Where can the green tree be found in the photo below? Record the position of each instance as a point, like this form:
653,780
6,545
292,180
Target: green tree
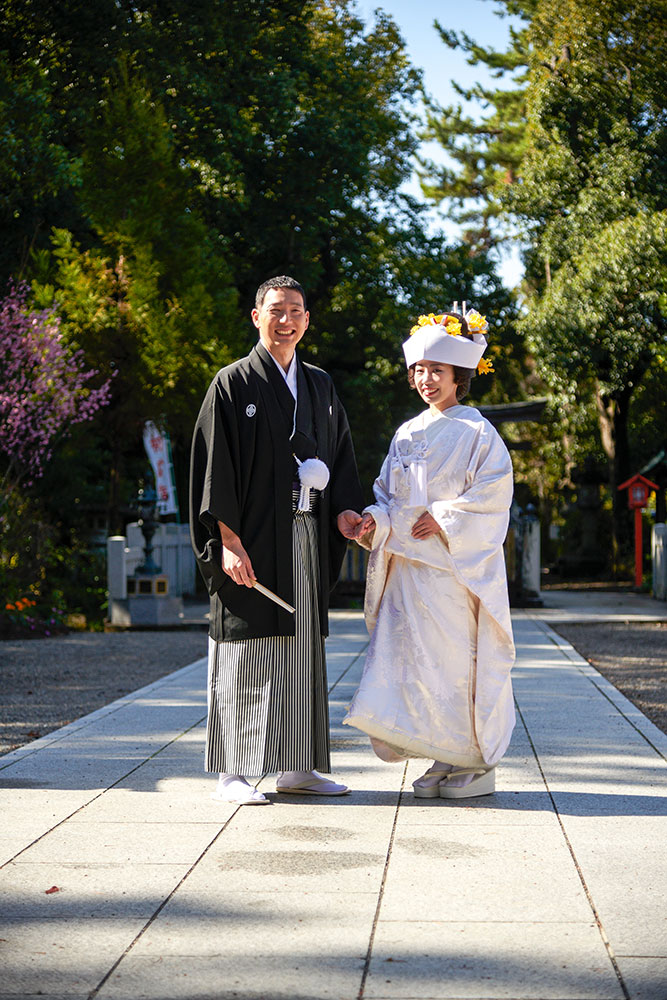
574,156
112,308
484,150
591,188
209,145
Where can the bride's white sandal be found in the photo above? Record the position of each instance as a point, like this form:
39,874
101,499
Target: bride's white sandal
483,784
428,786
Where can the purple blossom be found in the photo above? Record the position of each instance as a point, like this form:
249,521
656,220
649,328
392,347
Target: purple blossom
43,385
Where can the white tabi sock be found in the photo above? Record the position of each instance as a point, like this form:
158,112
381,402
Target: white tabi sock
434,775
235,788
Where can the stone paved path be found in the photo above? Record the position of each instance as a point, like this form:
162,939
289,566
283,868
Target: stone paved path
554,888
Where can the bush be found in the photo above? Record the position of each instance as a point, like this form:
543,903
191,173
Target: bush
44,577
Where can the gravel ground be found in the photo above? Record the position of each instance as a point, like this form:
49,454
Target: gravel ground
46,683
632,655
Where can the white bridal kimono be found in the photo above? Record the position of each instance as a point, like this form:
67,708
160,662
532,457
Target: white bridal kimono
436,680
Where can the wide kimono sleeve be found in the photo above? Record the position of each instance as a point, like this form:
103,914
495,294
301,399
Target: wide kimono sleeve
375,541
214,487
469,491
380,509
475,523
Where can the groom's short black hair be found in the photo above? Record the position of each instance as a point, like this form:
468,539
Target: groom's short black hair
280,281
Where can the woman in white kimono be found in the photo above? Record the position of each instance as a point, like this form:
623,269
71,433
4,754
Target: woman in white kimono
436,681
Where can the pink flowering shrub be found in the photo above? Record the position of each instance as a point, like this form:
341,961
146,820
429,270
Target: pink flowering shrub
44,390
44,387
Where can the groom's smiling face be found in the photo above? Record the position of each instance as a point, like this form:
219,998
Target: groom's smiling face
281,320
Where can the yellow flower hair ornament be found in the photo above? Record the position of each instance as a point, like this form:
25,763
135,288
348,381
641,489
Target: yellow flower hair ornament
476,323
451,324
462,352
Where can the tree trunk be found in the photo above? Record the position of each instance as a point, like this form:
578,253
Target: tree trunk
613,422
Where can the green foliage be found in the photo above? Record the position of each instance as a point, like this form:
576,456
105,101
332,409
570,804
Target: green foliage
599,322
211,145
36,170
591,188
574,155
398,273
48,570
484,150
648,413
163,160
30,603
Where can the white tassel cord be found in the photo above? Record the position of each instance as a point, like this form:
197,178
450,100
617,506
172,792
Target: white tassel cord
313,475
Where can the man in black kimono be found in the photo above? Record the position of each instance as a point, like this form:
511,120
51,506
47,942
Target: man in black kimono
251,521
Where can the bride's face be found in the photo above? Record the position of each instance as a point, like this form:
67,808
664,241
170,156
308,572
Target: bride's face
434,381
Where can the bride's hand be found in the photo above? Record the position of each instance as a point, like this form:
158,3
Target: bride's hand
425,526
367,524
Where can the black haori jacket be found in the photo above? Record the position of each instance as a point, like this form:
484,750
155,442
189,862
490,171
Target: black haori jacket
241,473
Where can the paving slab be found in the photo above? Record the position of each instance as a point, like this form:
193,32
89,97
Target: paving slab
562,606
122,843
60,955
644,978
197,925
483,874
553,888
457,960
290,977
85,891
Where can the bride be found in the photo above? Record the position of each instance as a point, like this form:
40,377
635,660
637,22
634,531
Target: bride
436,681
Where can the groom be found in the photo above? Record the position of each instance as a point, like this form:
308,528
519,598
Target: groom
251,522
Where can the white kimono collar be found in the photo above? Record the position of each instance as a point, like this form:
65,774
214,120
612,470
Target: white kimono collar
289,375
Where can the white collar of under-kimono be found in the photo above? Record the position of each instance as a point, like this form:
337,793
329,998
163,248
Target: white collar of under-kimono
313,474
291,382
411,463
289,375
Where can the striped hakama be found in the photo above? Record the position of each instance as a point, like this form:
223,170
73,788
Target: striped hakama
267,698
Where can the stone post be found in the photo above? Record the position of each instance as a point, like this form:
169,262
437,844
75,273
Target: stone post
531,556
116,582
659,559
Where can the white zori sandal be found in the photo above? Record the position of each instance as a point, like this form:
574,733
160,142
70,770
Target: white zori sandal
308,783
483,782
428,786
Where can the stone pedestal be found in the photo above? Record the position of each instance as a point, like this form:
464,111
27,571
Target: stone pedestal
145,599
155,610
146,611
145,585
